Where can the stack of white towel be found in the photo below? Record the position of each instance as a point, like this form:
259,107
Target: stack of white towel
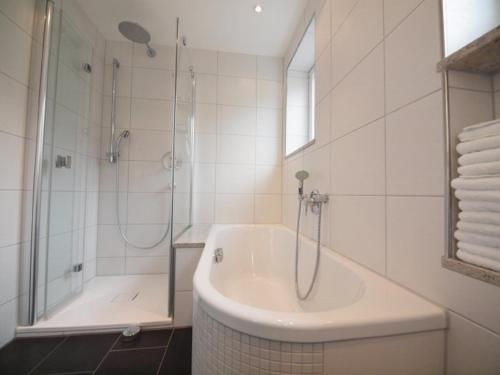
478,191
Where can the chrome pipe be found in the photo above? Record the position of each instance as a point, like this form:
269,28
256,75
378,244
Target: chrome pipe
38,164
113,154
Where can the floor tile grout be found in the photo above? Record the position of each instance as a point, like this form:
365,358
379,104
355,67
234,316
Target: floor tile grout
48,355
166,350
106,355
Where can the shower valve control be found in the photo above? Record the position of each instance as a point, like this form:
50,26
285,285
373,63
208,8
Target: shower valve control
314,200
63,161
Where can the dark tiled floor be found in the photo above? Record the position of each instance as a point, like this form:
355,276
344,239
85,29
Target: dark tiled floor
166,352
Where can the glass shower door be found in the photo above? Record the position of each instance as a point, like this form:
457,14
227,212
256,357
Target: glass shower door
64,167
183,143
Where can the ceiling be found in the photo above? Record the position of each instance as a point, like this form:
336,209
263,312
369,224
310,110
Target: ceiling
224,25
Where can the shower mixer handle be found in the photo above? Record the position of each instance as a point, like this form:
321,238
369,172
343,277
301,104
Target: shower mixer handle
314,200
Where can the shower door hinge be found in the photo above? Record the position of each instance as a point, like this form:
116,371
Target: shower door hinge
78,267
63,161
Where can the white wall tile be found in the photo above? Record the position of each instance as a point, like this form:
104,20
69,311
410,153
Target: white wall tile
16,49
122,51
267,179
183,314
109,242
206,88
234,208
235,178
269,122
270,68
9,265
203,61
236,149
205,148
148,208
148,145
317,163
123,81
471,81
236,120
110,266
358,162
11,165
322,122
396,11
21,12
206,118
322,80
322,32
390,355
164,59
415,164
146,265
471,348
151,114
237,65
148,177
413,47
203,207
236,91
8,317
352,215
362,89
204,178
186,261
10,225
152,83
340,9
13,105
360,33
268,209
268,151
147,235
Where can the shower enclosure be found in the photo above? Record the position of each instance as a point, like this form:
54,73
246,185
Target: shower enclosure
71,262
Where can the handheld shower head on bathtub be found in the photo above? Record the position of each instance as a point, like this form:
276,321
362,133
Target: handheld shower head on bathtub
301,176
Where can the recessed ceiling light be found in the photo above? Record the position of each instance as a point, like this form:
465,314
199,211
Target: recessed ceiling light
257,8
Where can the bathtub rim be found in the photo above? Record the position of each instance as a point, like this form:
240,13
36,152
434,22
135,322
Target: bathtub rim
345,323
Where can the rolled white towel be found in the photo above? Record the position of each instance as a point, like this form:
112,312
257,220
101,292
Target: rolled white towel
471,205
483,129
479,183
478,260
478,239
480,217
480,144
480,170
478,195
484,251
480,157
479,228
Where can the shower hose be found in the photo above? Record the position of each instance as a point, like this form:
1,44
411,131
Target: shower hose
117,205
301,296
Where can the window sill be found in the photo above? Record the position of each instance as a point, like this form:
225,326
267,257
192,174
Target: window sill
483,274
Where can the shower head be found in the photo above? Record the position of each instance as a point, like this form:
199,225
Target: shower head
137,34
301,176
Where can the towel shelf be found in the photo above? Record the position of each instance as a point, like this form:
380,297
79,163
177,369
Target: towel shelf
480,56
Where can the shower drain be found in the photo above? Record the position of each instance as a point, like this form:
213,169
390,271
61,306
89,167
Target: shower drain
131,333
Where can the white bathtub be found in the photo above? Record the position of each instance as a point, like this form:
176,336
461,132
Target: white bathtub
252,291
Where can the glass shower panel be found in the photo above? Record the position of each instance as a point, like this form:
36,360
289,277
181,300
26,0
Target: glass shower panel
64,167
184,143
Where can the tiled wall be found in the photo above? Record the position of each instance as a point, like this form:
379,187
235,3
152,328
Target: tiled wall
16,20
237,174
144,107
379,153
